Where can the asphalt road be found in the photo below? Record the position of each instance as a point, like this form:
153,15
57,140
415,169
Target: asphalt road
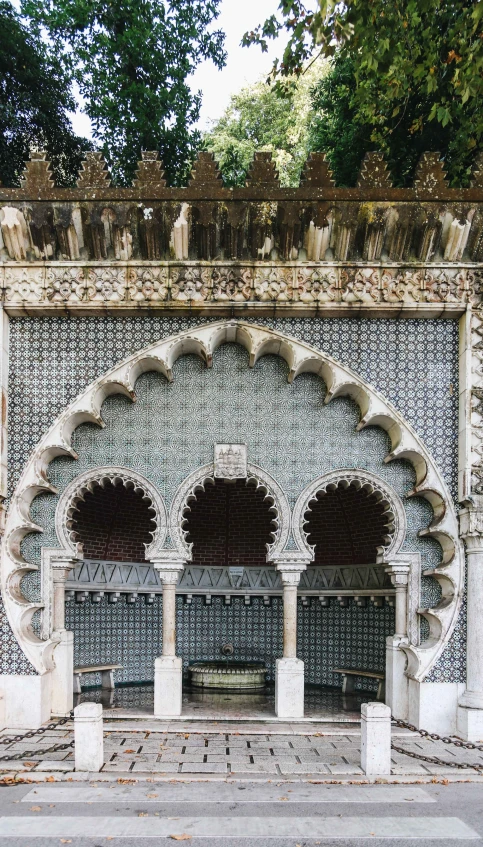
240,815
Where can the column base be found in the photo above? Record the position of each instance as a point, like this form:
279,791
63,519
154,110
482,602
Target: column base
63,674
397,692
289,688
26,700
168,687
470,724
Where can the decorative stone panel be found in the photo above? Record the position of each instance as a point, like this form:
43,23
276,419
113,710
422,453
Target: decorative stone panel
228,287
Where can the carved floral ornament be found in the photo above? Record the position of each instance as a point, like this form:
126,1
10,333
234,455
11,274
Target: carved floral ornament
301,358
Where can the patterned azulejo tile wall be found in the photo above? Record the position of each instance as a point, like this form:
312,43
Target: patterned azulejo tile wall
328,637
53,359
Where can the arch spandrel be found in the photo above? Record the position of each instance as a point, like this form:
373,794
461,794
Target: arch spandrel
300,358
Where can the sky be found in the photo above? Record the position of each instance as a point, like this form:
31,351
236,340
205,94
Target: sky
244,64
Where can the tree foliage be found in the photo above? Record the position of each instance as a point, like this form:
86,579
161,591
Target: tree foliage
35,98
131,60
417,68
261,117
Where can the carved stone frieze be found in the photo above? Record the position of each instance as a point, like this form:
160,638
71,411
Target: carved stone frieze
106,284
317,285
274,284
24,284
148,284
402,286
65,284
191,284
235,284
361,286
336,288
125,577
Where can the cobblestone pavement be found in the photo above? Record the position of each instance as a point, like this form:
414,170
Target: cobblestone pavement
255,750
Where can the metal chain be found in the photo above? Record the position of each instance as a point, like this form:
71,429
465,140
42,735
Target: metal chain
467,745
40,731
24,754
435,760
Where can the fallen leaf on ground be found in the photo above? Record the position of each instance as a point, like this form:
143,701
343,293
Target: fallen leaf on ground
187,736
35,808
29,764
49,779
127,781
283,798
66,840
183,837
129,751
151,796
143,815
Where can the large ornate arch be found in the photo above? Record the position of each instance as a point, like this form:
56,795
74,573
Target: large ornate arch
197,481
301,358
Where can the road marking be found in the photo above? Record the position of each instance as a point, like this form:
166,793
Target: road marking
162,793
236,827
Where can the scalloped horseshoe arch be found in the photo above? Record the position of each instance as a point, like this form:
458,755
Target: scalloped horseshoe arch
197,481
363,479
75,491
301,358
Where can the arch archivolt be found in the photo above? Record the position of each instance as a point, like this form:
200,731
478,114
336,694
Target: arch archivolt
75,492
360,480
301,358
197,481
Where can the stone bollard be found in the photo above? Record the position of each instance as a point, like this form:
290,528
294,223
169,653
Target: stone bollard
89,738
376,739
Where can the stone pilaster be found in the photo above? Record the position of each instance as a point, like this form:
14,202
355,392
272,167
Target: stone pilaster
63,655
470,712
396,679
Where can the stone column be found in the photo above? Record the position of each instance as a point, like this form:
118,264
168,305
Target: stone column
289,674
168,670
63,672
396,679
470,711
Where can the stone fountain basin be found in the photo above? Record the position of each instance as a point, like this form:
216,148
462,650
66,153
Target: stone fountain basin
234,676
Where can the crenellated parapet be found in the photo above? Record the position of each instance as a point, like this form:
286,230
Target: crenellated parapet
315,248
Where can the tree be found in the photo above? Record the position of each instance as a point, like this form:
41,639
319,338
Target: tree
261,117
131,60
337,130
35,97
417,68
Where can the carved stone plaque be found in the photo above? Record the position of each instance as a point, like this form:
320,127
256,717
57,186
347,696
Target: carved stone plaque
230,461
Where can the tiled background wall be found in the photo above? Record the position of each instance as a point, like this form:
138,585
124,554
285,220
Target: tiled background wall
288,430
328,637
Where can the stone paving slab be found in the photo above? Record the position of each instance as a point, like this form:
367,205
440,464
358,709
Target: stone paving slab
249,749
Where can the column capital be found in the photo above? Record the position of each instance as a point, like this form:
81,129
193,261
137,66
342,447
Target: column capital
169,565
399,573
291,565
471,524
61,566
